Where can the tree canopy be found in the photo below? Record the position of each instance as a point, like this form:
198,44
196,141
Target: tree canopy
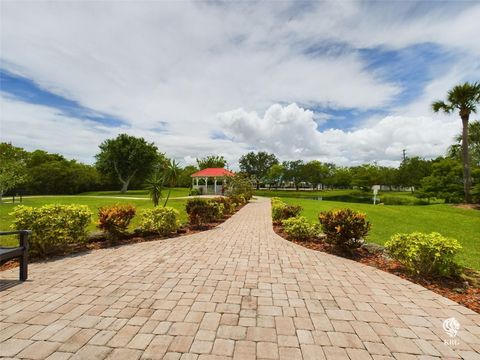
211,161
257,165
13,170
126,157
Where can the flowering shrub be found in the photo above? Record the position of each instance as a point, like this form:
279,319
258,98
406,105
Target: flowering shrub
425,254
53,226
344,228
115,219
299,228
160,220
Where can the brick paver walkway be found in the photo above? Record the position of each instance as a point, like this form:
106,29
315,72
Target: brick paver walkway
236,291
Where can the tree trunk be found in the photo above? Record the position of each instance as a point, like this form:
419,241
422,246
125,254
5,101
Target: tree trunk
467,179
124,186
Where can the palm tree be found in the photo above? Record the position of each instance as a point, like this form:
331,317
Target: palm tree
154,186
171,174
464,98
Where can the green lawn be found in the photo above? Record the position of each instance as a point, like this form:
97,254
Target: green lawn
176,192
349,195
386,220
93,203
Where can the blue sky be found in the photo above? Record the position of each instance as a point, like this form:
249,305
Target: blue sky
346,82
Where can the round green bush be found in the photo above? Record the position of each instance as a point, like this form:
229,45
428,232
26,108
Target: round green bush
425,254
160,220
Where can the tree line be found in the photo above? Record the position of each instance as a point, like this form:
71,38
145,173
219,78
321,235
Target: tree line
122,163
128,161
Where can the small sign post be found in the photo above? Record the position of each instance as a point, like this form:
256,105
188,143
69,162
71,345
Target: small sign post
375,189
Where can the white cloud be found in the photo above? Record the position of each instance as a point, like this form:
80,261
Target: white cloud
182,63
42,127
290,132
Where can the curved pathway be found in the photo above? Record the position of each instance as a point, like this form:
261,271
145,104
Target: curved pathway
236,291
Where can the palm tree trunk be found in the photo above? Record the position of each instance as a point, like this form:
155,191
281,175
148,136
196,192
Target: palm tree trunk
467,179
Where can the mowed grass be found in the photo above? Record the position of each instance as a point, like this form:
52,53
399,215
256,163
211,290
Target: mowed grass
175,192
94,203
392,197
386,220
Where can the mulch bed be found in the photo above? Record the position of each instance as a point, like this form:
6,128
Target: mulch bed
459,290
131,238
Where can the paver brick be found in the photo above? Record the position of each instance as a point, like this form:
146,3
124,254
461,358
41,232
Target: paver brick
237,291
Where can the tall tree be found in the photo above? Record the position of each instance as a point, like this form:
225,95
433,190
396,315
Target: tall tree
211,161
185,179
126,157
365,176
275,175
413,170
315,172
13,168
257,165
293,172
463,98
445,182
455,151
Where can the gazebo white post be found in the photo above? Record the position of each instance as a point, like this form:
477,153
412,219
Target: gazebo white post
197,181
206,185
215,185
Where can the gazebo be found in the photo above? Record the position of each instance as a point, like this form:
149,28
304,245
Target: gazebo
209,173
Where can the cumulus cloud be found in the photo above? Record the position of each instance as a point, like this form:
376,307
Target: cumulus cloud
176,65
43,127
291,132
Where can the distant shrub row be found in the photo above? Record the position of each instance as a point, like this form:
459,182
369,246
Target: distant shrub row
203,211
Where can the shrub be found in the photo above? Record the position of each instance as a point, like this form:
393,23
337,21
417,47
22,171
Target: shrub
160,220
282,211
345,228
114,219
216,208
195,192
237,200
239,185
199,211
277,209
299,228
53,226
226,202
425,254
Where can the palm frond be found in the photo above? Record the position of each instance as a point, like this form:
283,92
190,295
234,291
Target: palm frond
441,106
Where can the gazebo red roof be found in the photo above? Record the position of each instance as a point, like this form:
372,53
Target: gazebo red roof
213,172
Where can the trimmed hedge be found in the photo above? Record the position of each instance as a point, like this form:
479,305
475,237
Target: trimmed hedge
53,226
